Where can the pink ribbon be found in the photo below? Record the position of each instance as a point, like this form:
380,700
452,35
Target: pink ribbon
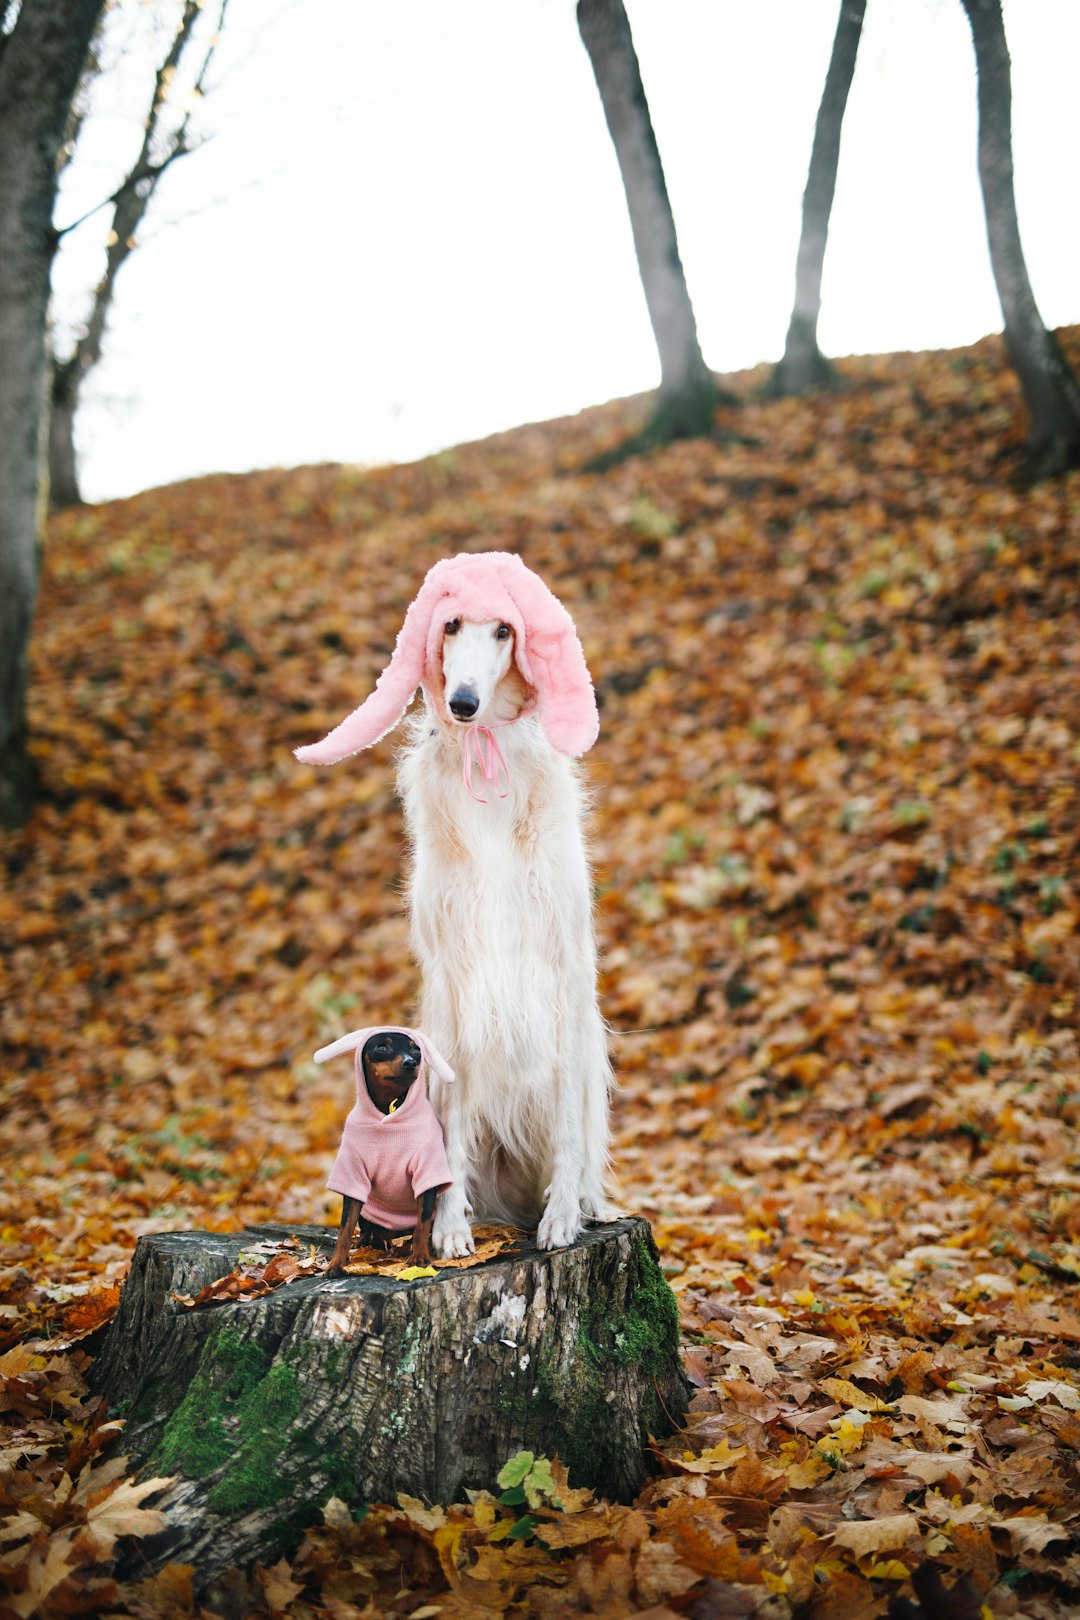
479,744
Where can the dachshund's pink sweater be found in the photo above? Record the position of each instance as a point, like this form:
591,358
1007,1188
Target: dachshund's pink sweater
388,1160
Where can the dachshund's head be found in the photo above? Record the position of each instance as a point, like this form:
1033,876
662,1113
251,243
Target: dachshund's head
392,1049
392,1062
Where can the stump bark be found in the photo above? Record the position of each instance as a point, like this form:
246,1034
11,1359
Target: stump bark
363,1387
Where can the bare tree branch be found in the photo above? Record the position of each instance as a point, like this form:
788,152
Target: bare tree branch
129,203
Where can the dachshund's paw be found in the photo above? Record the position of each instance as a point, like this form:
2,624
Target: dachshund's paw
454,1242
557,1231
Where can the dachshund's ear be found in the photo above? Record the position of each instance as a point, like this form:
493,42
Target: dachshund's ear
394,690
554,665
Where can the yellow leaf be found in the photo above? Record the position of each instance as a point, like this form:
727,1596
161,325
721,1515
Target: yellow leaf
846,1437
713,1458
484,1514
19,1360
448,1547
410,1273
849,1394
891,1570
800,1476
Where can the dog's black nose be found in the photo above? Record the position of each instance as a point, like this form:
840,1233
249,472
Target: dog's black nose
464,704
409,1062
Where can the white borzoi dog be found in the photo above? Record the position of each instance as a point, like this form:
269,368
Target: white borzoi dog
500,893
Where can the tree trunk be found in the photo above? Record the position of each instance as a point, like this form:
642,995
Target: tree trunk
1051,391
688,393
361,1387
40,64
63,468
803,366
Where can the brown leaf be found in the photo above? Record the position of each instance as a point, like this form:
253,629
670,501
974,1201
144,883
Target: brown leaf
701,1536
168,1594
558,1531
278,1586
119,1513
85,1316
659,1573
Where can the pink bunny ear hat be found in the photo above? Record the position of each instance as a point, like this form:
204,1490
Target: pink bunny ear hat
478,586
356,1039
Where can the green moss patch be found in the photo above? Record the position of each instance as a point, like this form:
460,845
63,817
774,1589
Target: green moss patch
647,1332
235,1416
195,1441
263,1415
570,1416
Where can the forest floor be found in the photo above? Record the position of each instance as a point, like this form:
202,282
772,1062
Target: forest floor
836,832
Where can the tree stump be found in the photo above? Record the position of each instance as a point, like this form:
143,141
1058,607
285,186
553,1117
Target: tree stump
361,1387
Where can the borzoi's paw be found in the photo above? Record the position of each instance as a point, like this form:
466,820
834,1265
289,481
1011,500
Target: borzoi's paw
454,1240
557,1229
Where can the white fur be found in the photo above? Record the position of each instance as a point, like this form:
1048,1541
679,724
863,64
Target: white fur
501,915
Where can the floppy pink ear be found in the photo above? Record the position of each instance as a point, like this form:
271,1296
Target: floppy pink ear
554,665
435,1061
394,691
353,1041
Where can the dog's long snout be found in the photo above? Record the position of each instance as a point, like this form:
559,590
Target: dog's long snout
464,703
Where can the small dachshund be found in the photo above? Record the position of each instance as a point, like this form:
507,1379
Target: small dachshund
396,1162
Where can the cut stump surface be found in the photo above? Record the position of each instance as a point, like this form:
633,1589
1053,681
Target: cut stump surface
361,1387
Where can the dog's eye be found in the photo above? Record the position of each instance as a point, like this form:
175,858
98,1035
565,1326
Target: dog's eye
503,633
453,626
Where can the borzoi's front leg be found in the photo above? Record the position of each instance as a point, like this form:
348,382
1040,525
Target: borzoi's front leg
452,1234
561,1220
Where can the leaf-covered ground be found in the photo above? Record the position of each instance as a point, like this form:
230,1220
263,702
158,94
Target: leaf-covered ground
836,832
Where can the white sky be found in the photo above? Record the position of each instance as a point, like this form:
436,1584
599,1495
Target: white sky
409,229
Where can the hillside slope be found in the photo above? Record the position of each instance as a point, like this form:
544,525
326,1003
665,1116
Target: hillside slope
836,831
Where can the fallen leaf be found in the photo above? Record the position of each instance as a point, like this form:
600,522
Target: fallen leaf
120,1513
864,1536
